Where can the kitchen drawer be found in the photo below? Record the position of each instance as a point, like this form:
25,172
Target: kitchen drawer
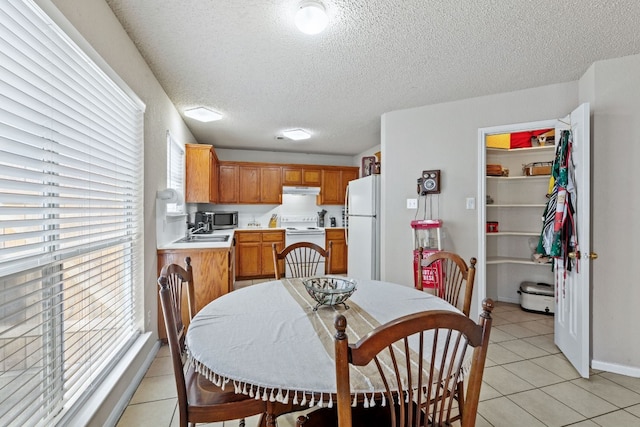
272,236
248,236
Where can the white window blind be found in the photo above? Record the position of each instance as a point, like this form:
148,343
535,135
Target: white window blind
70,219
175,170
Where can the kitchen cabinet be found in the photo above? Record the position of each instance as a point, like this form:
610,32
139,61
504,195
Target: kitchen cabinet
336,237
271,184
261,183
302,175
254,256
334,184
517,205
201,174
213,276
250,183
228,183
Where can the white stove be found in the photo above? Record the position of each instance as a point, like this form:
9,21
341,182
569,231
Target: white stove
302,228
302,225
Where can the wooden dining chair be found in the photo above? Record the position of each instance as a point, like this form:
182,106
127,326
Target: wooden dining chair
199,400
303,259
429,382
456,277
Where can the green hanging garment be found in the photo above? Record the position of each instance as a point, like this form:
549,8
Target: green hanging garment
558,231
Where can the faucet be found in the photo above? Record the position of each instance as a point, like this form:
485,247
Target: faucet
191,229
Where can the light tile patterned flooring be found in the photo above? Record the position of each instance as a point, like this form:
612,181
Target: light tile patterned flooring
527,383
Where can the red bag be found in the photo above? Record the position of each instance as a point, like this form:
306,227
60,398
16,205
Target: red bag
523,139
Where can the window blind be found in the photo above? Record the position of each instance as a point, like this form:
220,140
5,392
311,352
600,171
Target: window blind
175,170
70,219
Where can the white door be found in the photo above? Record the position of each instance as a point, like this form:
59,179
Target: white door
572,311
572,332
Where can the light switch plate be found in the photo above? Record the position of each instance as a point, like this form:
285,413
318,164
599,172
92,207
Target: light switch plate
412,203
471,203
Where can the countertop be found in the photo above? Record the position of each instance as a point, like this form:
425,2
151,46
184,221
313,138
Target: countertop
202,245
222,245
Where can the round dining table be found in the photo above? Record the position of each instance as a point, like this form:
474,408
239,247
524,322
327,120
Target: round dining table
268,342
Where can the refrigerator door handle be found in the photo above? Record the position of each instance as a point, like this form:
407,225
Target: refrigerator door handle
346,215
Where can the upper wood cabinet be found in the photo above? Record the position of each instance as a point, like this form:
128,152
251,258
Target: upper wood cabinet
249,179
334,184
212,181
301,175
271,184
201,172
228,183
250,183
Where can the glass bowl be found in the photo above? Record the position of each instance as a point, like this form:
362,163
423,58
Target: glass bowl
329,290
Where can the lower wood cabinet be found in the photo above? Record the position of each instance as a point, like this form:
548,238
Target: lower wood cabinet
254,256
213,276
338,250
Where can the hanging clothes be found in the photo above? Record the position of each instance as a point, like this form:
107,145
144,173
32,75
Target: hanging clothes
558,237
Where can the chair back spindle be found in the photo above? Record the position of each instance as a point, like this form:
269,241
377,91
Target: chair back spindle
301,259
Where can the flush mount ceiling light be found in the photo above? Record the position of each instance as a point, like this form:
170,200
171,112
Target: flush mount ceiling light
296,134
203,114
311,17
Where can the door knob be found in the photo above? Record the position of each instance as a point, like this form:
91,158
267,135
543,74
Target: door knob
577,255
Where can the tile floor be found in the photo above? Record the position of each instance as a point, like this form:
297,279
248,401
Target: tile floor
527,383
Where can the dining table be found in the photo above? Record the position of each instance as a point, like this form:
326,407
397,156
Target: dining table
267,341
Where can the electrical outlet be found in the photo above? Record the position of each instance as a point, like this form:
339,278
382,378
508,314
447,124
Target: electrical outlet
471,203
412,203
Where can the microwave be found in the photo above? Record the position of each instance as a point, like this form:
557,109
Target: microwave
217,220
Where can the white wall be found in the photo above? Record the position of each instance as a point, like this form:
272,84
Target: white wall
445,137
611,87
231,155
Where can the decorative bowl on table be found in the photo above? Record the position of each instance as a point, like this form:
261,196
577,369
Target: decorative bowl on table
330,290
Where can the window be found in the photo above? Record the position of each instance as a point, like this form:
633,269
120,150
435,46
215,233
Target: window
70,219
175,171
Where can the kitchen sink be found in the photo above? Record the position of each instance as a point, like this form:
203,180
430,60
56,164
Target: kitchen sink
203,238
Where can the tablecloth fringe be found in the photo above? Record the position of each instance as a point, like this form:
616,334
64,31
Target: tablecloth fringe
264,393
282,395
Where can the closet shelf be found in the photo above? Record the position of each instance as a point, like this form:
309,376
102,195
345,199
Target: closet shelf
514,233
511,260
544,148
518,178
516,205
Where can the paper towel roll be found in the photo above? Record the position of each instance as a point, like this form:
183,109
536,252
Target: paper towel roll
169,195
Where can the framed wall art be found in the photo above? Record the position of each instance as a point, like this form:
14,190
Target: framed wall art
368,165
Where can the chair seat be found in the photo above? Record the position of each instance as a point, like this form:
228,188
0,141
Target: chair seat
208,402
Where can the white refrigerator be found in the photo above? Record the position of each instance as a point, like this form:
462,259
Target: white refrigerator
362,211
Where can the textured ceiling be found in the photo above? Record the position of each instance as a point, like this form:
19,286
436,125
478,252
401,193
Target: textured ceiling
247,60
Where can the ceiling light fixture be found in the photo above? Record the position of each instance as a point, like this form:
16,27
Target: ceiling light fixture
296,134
311,17
203,114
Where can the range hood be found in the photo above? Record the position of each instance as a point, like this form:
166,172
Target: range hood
307,191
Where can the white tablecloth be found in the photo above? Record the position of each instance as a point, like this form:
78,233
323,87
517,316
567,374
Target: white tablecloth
266,341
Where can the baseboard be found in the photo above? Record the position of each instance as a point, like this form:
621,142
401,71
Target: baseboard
615,368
